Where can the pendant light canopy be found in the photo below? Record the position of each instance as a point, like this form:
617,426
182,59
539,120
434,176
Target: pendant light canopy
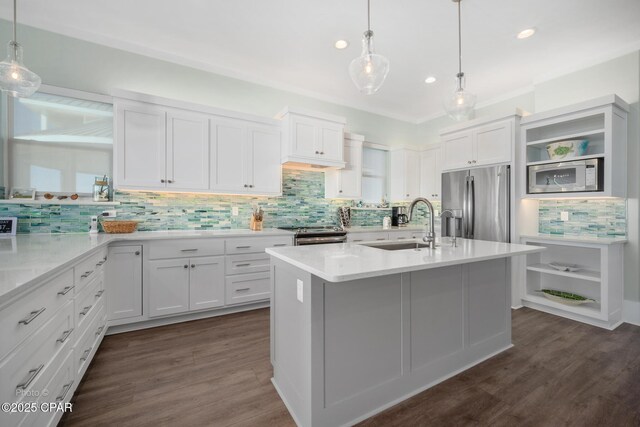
15,78
460,103
369,70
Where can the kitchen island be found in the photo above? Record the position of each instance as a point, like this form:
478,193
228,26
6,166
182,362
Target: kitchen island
356,328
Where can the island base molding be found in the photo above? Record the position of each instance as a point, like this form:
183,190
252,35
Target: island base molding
351,349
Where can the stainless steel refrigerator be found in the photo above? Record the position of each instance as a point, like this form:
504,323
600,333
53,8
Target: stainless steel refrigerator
480,198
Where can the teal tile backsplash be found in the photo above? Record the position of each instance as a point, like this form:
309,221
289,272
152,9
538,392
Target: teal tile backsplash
589,218
302,203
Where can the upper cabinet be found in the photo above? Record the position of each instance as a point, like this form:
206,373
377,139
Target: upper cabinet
404,174
479,143
346,183
164,148
312,139
431,173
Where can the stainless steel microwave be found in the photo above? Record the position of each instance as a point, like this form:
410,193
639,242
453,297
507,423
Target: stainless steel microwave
566,177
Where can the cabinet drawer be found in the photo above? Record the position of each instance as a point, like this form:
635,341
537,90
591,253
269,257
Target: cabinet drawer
88,343
87,269
405,235
25,316
247,263
247,288
247,245
89,300
185,248
367,237
23,368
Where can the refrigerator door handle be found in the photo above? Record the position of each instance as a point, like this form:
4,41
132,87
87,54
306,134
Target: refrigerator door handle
472,207
465,209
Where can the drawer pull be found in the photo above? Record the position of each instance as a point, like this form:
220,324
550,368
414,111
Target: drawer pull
246,264
193,266
65,391
65,290
85,310
279,244
188,250
382,238
357,240
31,316
100,263
100,292
243,289
86,353
243,247
401,238
64,336
86,274
33,373
99,331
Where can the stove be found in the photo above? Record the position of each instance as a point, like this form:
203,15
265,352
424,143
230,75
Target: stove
317,234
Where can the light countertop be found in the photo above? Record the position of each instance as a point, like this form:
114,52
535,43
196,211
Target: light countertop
350,261
27,259
577,239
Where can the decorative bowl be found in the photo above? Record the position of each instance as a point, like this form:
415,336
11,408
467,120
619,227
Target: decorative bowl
567,149
566,298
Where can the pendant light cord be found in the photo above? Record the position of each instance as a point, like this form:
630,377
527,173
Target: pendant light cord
368,15
459,42
14,43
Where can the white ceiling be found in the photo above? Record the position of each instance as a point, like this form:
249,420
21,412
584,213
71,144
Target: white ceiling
288,44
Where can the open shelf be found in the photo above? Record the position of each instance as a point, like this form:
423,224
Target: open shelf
578,135
571,159
590,310
590,275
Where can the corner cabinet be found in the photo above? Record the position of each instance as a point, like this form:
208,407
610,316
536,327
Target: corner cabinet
312,138
160,147
404,174
431,173
479,143
124,276
346,183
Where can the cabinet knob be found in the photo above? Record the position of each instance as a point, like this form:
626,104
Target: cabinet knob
245,186
322,152
186,266
170,181
407,195
250,185
162,181
339,191
137,252
469,161
474,161
193,266
317,152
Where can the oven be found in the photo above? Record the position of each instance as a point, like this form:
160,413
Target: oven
317,235
566,177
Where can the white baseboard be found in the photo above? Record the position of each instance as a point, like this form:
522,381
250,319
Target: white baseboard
631,312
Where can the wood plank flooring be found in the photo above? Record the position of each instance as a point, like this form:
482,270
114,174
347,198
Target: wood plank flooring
216,372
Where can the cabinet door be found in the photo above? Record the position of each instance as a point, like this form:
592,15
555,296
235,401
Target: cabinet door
412,175
368,236
493,143
331,142
187,151
140,145
168,287
228,152
457,151
206,289
247,288
124,282
430,174
349,179
304,136
265,171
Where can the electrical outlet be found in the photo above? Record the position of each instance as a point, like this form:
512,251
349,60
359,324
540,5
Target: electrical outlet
564,216
234,211
299,289
110,213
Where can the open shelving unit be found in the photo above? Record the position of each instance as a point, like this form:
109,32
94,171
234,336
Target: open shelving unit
600,277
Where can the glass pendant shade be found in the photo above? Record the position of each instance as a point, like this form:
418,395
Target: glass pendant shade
369,70
15,78
460,104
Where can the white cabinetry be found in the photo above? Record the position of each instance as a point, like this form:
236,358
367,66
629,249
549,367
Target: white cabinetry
431,173
168,287
311,138
206,283
187,150
367,236
404,174
124,281
346,183
479,143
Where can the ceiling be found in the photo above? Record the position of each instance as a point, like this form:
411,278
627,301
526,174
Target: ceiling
288,44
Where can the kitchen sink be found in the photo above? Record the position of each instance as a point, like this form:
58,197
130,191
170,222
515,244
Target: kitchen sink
397,246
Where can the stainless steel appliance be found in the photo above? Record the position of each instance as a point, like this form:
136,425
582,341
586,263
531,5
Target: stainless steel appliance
317,235
483,197
399,216
566,177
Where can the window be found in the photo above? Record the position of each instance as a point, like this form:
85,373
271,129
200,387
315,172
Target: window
374,175
59,143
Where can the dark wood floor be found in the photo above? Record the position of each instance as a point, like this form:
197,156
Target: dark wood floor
216,372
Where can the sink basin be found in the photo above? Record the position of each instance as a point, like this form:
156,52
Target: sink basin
397,246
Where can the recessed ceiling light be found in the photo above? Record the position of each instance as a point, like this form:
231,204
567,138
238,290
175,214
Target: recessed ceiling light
430,80
341,44
525,34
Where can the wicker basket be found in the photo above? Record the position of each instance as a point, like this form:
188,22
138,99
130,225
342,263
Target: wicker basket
116,227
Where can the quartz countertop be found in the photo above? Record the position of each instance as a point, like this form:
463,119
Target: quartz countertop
578,239
351,261
27,259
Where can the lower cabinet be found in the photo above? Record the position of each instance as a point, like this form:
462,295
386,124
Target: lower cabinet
124,275
368,236
248,287
206,283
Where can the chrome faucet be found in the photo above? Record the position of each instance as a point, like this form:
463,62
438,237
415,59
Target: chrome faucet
430,235
454,241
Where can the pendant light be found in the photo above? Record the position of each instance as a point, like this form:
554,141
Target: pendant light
461,102
16,79
369,70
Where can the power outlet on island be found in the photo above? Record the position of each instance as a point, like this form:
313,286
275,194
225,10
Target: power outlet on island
564,216
299,289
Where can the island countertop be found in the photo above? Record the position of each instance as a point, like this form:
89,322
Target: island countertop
351,261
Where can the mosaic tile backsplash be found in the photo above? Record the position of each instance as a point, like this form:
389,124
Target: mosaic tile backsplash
589,218
302,203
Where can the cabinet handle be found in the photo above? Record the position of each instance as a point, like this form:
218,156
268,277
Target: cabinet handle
245,186
382,238
31,316
162,181
100,292
250,185
474,161
99,331
243,289
322,152
85,355
407,195
65,290
85,310
193,266
86,274
186,266
469,161
65,391
243,247
317,152
400,238
244,265
339,191
170,181
188,250
280,244
29,378
100,263
137,252
64,336
357,240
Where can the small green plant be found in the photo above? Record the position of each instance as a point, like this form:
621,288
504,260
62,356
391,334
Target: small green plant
566,295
